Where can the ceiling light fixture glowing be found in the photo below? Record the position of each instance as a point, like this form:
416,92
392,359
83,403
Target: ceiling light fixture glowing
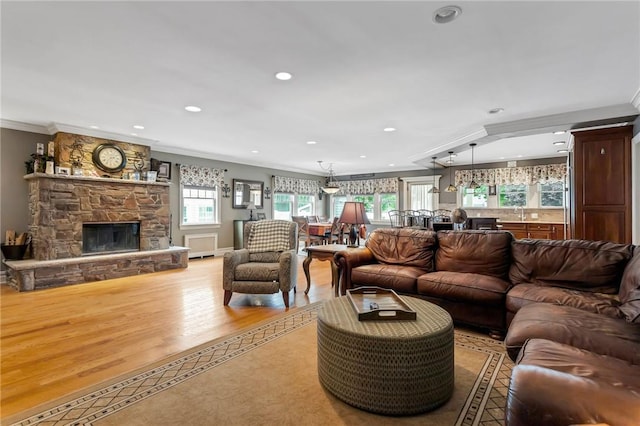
562,151
94,127
139,127
311,142
391,165
284,76
559,143
255,151
560,132
389,129
446,14
363,156
451,187
193,108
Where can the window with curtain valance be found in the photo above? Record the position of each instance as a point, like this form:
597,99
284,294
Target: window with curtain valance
191,175
295,185
368,186
525,175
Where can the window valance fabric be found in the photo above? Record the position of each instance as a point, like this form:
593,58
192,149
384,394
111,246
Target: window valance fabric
200,176
295,185
526,175
368,186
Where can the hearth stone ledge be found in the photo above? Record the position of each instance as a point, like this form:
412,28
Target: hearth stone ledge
27,275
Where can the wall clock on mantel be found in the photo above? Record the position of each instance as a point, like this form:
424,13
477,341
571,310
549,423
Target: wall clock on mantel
109,158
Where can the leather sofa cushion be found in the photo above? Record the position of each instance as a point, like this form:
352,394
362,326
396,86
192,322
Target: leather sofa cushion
630,289
524,294
464,287
584,265
403,246
556,384
476,252
571,326
395,277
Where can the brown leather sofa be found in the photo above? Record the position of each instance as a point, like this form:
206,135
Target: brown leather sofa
572,310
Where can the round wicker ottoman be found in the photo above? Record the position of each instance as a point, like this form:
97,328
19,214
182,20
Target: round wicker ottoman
386,367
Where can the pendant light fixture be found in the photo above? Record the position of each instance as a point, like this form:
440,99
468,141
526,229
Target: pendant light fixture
434,189
331,186
473,184
451,187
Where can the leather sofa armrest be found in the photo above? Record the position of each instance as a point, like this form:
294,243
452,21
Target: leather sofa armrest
349,259
539,395
230,260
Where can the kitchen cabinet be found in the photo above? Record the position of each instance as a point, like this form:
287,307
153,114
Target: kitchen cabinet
540,230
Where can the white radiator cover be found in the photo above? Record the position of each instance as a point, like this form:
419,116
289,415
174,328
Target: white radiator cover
201,245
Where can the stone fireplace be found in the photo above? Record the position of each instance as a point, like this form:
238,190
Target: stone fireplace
76,219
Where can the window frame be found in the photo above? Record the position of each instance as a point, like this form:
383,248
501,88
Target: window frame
295,204
377,205
217,213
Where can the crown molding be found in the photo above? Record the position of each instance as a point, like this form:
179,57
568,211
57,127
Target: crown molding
635,101
24,127
97,133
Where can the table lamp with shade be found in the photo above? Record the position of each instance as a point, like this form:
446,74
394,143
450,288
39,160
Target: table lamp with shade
354,214
251,207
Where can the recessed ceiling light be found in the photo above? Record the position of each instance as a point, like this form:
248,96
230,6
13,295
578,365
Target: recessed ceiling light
446,14
496,110
391,165
363,156
519,155
389,129
134,134
449,161
454,155
139,127
284,76
563,151
560,132
193,108
255,151
94,127
559,143
311,142
502,158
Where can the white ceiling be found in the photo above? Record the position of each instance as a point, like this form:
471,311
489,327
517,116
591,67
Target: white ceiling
358,67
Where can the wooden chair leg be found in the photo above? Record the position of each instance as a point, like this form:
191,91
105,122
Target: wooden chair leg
227,297
285,297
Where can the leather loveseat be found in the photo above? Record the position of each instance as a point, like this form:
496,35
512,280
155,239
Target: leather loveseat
572,310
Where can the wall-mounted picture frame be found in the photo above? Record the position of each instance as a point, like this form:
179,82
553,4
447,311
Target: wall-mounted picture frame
261,216
492,190
162,167
63,171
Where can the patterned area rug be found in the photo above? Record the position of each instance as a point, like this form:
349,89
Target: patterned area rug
268,375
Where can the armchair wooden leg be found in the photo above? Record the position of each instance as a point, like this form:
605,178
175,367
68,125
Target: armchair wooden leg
285,297
227,297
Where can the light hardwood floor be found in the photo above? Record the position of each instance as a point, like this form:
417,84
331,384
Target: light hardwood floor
57,341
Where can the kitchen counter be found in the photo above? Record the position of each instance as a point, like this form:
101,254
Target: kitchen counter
534,229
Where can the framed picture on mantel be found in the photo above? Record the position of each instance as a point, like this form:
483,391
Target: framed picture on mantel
162,167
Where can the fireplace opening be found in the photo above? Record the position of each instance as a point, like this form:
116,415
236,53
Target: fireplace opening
110,237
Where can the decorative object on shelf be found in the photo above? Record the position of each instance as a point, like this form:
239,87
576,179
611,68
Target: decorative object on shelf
354,214
38,163
39,148
109,157
49,168
138,162
152,175
434,189
163,168
267,193
226,190
473,185
76,155
261,216
247,191
251,207
63,171
331,186
451,187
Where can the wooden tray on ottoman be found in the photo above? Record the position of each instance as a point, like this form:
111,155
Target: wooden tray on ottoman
375,303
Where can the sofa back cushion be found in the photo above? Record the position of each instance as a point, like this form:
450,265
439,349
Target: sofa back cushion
578,264
403,246
630,289
477,252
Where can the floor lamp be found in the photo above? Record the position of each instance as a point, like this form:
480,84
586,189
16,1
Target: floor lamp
354,214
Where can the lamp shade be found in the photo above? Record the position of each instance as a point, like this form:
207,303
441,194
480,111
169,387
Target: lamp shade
330,189
354,213
251,206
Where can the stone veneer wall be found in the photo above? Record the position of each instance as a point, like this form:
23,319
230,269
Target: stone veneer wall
59,205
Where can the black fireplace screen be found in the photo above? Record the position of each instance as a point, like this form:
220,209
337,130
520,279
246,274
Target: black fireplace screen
100,238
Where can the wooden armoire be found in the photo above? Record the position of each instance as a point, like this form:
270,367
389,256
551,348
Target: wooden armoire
602,184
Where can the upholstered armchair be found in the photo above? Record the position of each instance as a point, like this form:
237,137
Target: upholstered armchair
266,264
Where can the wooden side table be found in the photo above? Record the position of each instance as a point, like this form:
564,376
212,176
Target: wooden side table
324,252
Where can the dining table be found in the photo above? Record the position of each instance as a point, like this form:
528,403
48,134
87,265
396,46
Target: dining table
320,228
